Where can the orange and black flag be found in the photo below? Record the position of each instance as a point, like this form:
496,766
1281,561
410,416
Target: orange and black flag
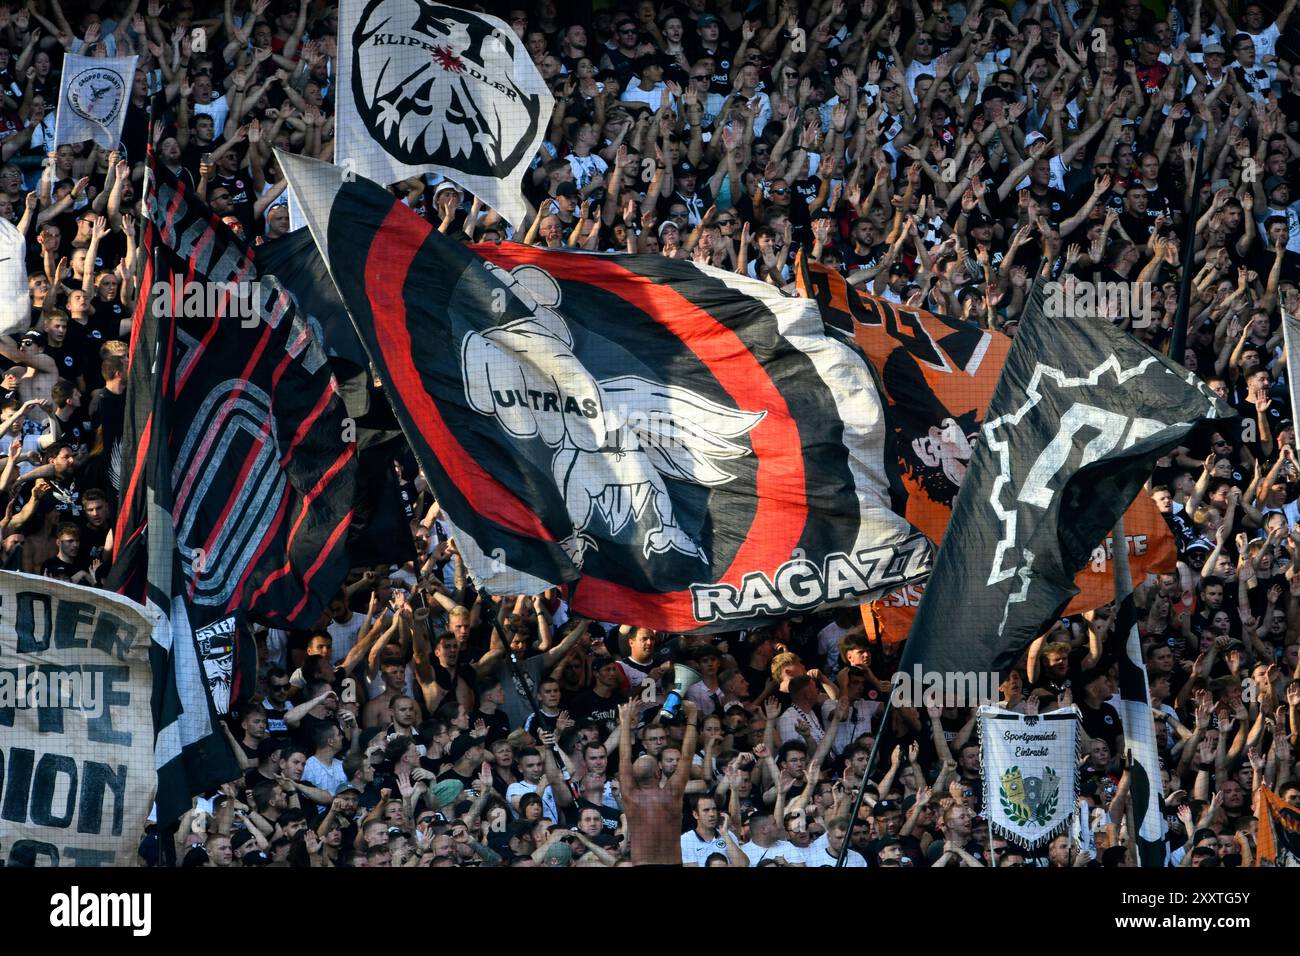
938,376
1278,843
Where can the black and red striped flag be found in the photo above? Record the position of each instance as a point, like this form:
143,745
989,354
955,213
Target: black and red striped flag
237,484
690,449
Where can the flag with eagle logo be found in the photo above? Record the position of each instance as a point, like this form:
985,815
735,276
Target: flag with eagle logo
424,87
691,450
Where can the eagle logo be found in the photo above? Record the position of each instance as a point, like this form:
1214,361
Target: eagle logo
616,440
96,95
436,85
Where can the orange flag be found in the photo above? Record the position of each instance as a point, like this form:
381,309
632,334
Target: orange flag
938,376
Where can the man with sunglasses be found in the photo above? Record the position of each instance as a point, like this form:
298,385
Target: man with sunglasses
620,56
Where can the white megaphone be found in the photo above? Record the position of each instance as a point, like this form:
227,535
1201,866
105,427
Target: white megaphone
684,678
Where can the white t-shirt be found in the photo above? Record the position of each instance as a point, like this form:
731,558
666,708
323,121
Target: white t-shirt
1265,41
654,98
218,109
550,809
328,778
697,851
783,848
344,636
1292,214
819,854
828,645
785,727
586,168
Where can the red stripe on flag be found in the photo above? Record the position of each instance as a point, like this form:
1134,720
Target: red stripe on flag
780,482
392,252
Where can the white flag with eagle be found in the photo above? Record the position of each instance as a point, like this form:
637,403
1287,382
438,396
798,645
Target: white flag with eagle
428,88
94,93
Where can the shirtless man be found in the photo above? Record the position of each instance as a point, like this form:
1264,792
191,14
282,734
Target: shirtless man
42,373
654,813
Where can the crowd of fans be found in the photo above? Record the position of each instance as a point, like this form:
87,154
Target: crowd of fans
940,156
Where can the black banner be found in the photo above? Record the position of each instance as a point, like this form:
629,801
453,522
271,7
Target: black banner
1079,416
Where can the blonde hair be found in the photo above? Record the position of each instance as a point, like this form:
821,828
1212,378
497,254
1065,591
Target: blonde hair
781,662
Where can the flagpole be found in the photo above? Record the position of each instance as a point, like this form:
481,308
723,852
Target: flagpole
1178,341
862,785
522,682
1130,812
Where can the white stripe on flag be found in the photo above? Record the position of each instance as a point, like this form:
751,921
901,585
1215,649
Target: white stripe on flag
1139,724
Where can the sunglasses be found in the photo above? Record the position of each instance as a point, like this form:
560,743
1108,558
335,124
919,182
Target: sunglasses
779,192
727,222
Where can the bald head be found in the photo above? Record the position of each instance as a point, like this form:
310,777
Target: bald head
645,769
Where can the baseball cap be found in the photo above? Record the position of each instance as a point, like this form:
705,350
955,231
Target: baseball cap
558,854
1209,48
1273,182
1220,184
445,185
884,806
1033,137
345,787
566,189
37,336
705,20
898,269
667,223
461,746
684,169
977,219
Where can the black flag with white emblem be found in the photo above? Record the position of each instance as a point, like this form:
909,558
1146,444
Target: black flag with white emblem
1077,420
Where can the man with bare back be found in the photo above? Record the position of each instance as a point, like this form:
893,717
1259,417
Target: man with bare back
42,372
654,812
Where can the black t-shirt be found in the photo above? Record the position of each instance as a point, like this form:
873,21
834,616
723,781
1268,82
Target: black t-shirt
67,358
92,541
64,497
76,432
56,567
107,317
590,707
1101,722
498,725
242,194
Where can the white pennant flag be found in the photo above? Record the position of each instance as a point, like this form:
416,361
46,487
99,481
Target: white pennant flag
1291,338
424,87
1030,766
93,98
15,300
